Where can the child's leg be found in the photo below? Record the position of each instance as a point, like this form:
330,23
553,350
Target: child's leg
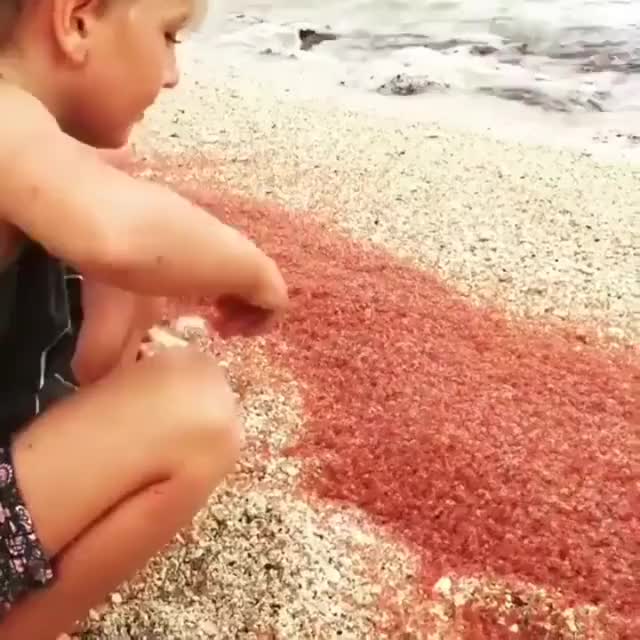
111,474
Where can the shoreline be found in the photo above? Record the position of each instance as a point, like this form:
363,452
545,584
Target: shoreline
552,59
546,233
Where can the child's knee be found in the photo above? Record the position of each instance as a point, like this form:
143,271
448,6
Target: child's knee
203,408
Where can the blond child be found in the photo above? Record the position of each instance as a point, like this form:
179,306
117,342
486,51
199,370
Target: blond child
103,456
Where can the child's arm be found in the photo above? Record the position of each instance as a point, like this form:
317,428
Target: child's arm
114,324
115,321
133,234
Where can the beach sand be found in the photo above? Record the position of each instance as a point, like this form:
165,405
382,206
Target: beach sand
549,235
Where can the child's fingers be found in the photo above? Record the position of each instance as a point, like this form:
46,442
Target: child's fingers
159,339
147,350
246,324
166,338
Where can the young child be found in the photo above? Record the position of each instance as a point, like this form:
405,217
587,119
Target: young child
103,458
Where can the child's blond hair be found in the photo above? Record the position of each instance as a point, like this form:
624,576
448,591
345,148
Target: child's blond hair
10,11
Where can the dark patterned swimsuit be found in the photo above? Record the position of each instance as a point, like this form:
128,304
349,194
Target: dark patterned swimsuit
40,313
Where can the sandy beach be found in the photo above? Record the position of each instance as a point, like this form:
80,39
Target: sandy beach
547,238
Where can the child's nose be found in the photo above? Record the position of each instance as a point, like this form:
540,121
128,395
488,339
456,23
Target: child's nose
171,74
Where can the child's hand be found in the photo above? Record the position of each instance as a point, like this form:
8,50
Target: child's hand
238,318
159,339
256,313
114,323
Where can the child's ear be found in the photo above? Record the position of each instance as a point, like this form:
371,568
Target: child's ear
74,23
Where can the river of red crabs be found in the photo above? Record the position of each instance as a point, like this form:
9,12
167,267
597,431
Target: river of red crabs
494,447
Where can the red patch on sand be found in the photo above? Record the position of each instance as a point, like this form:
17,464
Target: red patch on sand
493,447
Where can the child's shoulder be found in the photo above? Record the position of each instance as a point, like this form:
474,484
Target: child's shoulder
22,115
35,164
28,134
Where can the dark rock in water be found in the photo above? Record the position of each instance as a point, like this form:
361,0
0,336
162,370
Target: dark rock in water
309,38
405,85
537,98
482,49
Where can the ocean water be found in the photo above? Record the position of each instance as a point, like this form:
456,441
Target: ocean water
567,70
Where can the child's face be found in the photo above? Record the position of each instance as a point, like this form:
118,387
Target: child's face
128,58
